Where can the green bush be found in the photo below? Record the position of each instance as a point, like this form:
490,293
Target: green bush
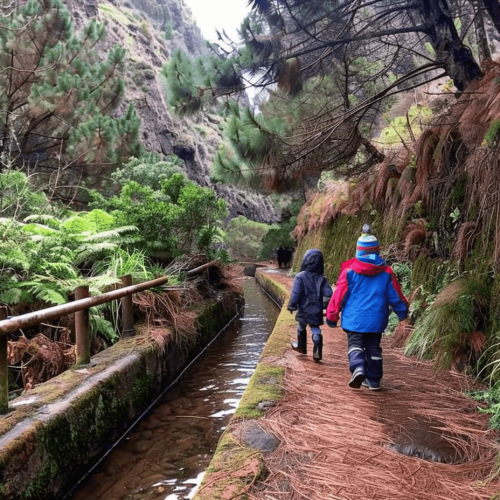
446,331
179,218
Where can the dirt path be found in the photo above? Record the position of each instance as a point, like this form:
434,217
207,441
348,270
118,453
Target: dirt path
420,438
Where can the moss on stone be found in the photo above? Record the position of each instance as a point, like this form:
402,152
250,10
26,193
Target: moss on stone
232,471
265,385
276,290
425,272
144,389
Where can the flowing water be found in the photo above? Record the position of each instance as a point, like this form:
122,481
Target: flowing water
166,455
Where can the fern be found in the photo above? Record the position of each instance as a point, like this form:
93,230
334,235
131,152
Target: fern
48,220
13,296
40,229
102,283
45,291
111,234
13,258
62,270
76,224
92,252
102,327
99,220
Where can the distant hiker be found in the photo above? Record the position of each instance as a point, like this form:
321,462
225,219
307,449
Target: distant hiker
310,294
281,256
365,289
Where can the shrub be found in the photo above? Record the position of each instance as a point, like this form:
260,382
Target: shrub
449,331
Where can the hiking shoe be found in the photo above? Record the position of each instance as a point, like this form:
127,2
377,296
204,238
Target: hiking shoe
373,386
357,378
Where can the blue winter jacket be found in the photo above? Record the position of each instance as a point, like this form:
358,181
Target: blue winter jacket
310,290
364,294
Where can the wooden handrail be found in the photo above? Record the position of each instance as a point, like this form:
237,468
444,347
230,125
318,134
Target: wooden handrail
82,337
33,318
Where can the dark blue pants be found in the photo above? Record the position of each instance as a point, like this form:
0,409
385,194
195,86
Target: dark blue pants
364,351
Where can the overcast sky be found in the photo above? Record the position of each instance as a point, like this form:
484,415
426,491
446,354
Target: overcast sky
218,14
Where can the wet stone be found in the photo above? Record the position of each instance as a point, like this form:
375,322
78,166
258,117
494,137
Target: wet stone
268,381
255,437
266,405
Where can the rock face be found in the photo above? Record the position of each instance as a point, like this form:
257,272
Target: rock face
140,27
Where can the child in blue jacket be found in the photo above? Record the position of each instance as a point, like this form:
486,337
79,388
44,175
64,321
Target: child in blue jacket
310,293
365,292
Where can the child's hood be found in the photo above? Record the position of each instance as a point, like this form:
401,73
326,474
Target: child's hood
366,268
312,262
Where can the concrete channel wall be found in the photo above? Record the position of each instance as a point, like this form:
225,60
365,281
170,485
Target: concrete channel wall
52,434
237,462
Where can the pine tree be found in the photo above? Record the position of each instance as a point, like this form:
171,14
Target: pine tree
56,95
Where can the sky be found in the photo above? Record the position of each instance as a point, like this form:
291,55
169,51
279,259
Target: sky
218,14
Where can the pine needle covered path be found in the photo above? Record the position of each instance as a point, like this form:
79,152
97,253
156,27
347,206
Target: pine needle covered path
420,438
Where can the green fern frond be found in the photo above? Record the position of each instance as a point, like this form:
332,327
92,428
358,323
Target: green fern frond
45,291
48,220
112,234
99,220
12,296
39,229
102,283
76,225
13,258
92,252
62,270
103,328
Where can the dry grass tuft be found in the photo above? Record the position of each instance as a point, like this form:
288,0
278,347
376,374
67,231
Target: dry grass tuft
402,333
465,240
168,317
450,294
232,277
39,359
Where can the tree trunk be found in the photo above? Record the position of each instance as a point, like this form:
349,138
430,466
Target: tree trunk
482,38
456,58
493,8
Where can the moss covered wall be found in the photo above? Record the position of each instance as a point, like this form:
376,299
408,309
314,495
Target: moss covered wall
46,445
337,240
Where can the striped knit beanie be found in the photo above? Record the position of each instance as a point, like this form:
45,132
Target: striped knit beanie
367,243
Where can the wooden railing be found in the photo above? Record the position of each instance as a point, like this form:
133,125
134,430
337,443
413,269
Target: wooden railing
80,306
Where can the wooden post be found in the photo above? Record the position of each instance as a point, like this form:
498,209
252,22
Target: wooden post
82,329
4,368
127,309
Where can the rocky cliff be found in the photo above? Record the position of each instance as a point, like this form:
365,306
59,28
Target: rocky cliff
151,30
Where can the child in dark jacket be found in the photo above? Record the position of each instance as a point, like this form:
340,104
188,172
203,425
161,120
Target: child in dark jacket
365,290
310,293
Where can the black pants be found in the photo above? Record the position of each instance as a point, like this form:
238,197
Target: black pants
364,351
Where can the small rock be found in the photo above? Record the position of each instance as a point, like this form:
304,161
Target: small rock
255,437
265,405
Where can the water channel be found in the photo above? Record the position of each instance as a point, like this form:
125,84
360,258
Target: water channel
167,453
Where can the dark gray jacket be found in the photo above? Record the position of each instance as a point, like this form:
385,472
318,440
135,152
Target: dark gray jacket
310,290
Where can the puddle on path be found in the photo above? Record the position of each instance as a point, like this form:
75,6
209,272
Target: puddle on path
167,454
426,439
